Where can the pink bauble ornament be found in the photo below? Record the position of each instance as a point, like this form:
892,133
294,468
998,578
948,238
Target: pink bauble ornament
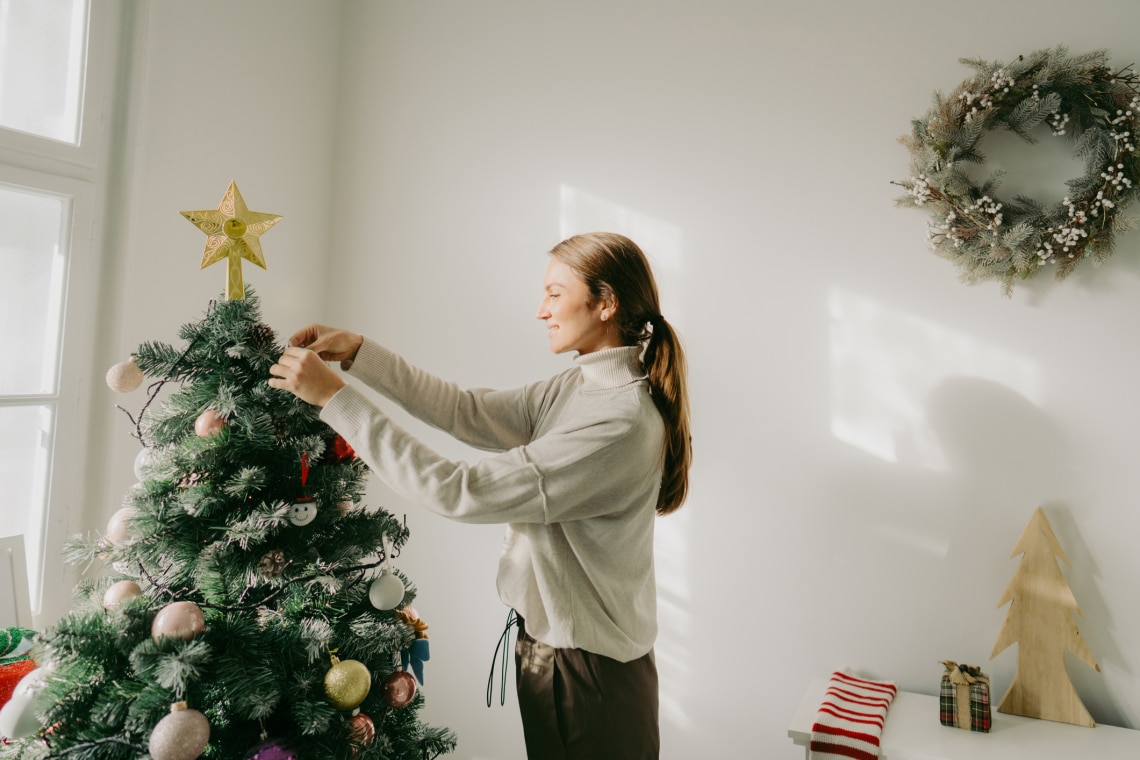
181,735
386,592
117,525
273,749
117,593
399,689
209,422
178,620
124,377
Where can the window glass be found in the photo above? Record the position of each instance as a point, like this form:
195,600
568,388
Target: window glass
25,452
32,246
43,52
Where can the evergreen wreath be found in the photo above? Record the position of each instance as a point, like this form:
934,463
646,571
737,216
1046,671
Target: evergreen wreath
990,238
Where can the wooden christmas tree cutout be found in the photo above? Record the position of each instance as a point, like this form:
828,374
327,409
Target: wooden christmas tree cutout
1040,620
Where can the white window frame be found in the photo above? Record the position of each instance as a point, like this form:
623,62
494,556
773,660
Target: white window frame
82,174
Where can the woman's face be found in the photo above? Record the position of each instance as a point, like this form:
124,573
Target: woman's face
574,324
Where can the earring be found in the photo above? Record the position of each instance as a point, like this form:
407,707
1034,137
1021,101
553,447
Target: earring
605,315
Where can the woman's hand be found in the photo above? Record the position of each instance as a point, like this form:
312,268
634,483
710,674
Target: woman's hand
330,343
304,374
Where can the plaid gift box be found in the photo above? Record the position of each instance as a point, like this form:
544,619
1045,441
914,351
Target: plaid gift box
964,700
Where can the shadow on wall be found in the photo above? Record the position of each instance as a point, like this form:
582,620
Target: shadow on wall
1006,449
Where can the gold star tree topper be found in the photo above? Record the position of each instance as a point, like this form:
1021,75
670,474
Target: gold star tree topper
232,233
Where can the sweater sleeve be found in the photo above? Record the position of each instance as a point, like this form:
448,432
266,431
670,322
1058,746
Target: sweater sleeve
493,420
567,474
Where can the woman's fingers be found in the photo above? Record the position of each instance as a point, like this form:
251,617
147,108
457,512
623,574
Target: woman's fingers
305,375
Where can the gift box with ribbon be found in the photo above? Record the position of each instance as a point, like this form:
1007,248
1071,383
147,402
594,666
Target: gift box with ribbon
964,699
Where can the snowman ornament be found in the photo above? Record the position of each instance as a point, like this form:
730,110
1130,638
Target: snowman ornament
303,512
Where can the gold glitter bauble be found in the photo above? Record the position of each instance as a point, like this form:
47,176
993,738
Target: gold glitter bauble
347,683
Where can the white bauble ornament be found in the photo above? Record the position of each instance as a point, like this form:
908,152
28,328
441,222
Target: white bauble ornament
181,735
119,592
18,715
143,462
117,525
303,512
124,377
386,592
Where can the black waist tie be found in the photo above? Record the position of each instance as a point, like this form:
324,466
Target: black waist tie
505,643
578,705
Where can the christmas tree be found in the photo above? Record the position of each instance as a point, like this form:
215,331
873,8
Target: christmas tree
1040,620
250,608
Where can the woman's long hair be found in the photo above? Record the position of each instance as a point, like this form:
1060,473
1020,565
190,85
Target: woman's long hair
613,266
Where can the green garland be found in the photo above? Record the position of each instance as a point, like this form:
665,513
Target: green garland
991,238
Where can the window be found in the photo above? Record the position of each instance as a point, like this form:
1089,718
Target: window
43,45
55,67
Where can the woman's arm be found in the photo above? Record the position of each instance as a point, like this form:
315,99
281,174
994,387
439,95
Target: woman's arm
493,420
567,474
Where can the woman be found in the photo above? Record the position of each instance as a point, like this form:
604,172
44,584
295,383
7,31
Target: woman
585,461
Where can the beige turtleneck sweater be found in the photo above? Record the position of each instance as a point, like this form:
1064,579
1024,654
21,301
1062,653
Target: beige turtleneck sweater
575,478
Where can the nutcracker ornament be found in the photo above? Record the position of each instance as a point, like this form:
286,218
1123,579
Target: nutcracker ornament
419,652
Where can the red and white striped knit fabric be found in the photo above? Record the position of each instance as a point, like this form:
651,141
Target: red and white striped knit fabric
851,718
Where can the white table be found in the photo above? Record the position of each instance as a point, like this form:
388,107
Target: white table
913,732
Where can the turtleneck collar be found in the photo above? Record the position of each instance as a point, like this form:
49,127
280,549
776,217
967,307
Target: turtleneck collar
610,368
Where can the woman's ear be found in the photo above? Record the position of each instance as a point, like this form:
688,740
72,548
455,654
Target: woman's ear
609,308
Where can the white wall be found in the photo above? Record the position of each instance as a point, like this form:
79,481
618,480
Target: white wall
871,436
217,92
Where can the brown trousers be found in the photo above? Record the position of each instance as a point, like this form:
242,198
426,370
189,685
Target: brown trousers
577,705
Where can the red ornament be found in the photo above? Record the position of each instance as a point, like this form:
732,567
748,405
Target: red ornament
361,729
209,422
341,450
399,689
